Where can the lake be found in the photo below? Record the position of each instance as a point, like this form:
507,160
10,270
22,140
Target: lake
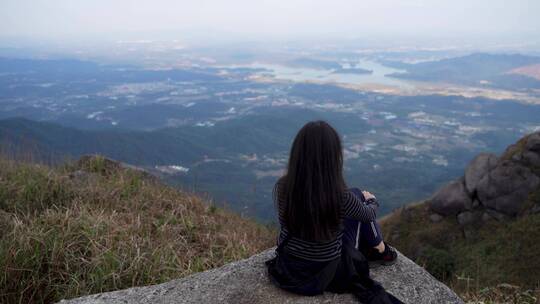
301,74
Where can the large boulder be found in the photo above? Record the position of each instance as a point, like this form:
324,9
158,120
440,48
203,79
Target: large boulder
526,151
506,187
533,142
532,159
451,199
246,281
477,169
467,218
531,155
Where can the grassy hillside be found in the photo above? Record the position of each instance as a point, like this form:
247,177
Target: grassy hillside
92,226
496,262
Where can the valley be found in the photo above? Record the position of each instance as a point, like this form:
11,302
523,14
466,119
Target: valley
225,130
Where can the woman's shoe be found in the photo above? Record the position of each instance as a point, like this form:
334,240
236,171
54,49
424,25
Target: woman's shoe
387,257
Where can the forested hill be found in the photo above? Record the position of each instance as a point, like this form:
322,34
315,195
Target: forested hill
163,146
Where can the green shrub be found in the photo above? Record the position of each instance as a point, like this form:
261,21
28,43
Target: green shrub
440,263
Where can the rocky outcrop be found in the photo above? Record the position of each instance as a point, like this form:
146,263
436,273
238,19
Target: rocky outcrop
494,188
246,281
451,199
477,169
531,153
506,187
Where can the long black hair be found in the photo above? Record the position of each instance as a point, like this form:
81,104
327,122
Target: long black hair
313,186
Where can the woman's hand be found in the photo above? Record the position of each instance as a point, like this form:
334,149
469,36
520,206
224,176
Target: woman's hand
368,195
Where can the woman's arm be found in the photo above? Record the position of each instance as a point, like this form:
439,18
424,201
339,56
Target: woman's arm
355,208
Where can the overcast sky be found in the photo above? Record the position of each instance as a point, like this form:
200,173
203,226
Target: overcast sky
54,19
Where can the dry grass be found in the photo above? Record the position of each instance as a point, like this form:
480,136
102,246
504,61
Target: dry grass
66,234
502,293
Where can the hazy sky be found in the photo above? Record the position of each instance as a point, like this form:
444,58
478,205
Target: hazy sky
55,19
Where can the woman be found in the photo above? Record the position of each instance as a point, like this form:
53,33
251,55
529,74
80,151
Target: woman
323,225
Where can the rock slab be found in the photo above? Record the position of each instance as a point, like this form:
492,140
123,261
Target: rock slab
246,281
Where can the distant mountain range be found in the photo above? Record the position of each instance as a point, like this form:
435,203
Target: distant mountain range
163,146
73,69
492,70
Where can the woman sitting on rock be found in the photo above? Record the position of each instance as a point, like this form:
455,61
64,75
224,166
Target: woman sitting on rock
326,230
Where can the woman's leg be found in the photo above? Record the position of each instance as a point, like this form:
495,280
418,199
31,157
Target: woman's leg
369,233
371,236
369,240
351,233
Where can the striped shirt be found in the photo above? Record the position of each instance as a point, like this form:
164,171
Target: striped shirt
352,207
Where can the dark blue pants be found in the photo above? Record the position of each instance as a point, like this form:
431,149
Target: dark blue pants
358,234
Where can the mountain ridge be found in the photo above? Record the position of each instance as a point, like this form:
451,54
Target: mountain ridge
479,69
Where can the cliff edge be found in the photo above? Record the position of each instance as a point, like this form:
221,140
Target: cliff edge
246,281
